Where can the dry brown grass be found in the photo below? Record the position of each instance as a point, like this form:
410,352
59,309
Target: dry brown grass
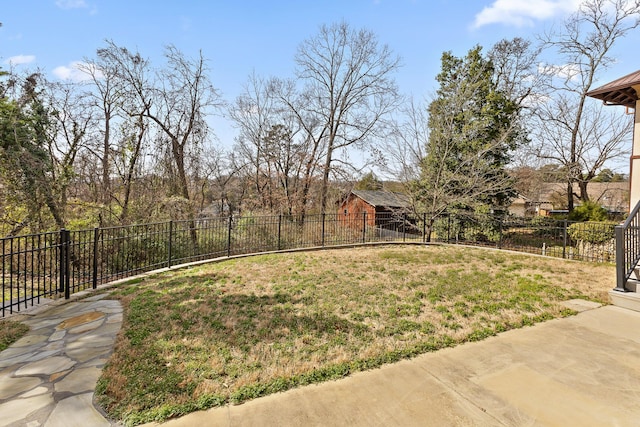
243,328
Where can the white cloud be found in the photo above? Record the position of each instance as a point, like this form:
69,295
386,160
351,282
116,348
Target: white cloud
20,59
71,4
76,72
521,13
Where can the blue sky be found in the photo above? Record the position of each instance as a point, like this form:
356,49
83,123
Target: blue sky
241,36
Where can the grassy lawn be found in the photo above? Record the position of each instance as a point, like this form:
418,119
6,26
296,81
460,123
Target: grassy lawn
10,332
236,330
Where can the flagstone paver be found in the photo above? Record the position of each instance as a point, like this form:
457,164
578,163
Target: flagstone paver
47,378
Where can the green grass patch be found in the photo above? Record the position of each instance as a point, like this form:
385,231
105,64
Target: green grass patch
232,331
10,332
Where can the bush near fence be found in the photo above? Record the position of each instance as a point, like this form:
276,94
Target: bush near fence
51,265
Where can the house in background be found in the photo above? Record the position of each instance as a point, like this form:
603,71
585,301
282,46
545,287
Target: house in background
376,208
551,198
527,207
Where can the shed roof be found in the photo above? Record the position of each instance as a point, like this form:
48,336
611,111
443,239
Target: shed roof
619,92
387,199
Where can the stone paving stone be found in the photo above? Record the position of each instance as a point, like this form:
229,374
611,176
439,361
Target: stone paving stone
54,345
78,381
10,387
87,353
80,320
57,375
17,351
93,340
37,324
97,297
86,327
60,358
111,310
42,355
99,362
29,340
35,392
115,318
46,367
18,409
57,335
110,328
76,411
23,358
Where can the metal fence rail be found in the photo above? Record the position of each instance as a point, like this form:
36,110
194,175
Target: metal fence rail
58,264
627,248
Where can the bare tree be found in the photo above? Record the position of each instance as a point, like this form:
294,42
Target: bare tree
277,144
286,158
311,143
349,89
71,123
515,64
183,97
566,123
103,75
124,92
405,149
601,136
253,113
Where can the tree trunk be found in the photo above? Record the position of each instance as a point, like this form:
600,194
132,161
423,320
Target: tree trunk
570,196
584,195
178,157
325,179
106,196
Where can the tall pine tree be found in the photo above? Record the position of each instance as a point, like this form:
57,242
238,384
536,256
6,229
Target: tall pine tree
472,133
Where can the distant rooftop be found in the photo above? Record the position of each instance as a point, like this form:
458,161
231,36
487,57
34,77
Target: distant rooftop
619,92
383,198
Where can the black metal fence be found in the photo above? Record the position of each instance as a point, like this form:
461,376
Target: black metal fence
56,264
627,248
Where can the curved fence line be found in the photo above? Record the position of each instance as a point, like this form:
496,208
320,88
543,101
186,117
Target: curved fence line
58,264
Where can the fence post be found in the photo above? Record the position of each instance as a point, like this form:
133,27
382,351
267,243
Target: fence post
62,273
448,227
424,227
500,225
66,276
323,216
229,236
279,231
620,260
96,234
564,238
170,245
364,227
404,227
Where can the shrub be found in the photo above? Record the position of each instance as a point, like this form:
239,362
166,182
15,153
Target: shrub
592,232
588,211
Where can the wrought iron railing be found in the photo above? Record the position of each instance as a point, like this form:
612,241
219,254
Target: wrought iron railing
627,248
58,264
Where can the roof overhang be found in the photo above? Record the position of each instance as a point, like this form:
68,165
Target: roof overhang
623,91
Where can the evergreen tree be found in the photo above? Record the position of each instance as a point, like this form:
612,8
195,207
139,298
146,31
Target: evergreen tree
25,162
473,129
472,133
